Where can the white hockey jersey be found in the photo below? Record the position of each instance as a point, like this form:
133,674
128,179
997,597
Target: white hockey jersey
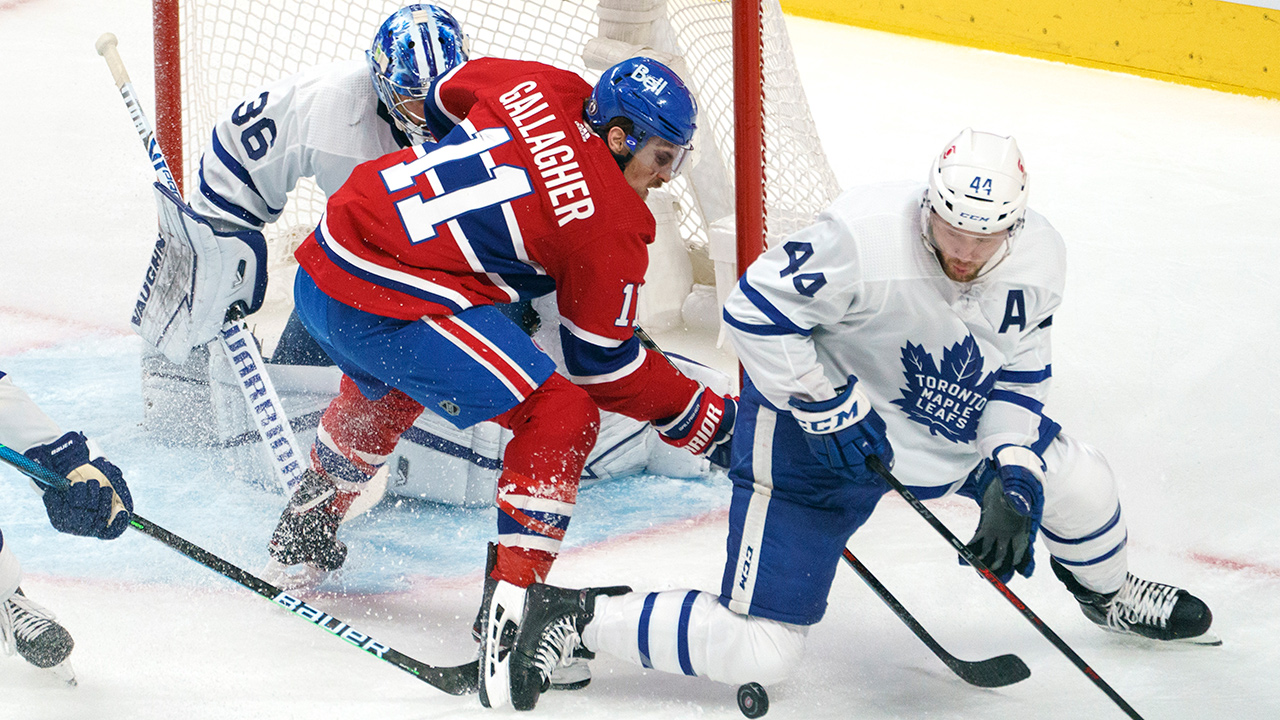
321,123
954,369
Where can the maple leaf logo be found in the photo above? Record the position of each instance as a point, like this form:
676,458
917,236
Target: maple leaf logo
948,399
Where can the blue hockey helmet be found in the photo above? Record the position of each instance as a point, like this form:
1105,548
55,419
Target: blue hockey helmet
416,44
651,96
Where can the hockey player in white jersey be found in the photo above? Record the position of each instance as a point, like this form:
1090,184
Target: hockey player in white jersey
321,123
910,322
95,504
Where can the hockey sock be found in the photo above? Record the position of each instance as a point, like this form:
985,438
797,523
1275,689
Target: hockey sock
10,570
553,430
532,519
356,436
689,632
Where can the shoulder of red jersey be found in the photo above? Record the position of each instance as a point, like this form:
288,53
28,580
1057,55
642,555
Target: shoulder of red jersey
453,94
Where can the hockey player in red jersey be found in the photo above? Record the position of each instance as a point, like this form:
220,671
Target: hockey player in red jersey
541,187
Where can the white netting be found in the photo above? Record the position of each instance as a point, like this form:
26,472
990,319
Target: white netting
233,46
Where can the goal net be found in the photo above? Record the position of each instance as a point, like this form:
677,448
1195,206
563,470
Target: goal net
226,48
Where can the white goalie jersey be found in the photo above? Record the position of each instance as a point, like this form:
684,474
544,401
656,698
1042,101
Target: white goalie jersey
319,123
954,369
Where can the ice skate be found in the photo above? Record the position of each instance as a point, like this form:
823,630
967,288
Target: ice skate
33,632
550,637
499,623
1144,608
574,675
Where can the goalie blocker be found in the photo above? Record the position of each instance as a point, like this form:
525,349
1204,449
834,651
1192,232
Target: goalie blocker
195,277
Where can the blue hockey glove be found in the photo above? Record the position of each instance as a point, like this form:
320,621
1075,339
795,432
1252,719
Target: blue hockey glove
97,502
844,431
1022,475
704,427
1012,507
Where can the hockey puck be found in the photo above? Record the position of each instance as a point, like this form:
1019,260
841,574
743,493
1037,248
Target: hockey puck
753,701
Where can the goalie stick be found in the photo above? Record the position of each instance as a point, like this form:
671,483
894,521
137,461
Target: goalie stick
879,468
185,230
992,672
456,680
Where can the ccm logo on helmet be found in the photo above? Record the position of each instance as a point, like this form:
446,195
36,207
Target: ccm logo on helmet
652,83
967,216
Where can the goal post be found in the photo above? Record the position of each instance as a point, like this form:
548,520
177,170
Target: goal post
748,139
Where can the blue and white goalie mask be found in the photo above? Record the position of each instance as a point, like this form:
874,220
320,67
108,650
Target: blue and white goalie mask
662,112
416,44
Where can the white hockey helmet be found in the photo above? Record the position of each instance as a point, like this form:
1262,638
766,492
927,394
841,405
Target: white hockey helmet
978,183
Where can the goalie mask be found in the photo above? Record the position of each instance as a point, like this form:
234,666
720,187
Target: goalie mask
414,46
654,101
978,190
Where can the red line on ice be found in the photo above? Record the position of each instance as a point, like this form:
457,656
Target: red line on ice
1229,564
63,323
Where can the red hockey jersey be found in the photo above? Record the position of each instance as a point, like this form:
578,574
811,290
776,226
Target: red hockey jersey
520,198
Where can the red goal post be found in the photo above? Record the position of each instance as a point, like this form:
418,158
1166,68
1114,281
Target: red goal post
759,173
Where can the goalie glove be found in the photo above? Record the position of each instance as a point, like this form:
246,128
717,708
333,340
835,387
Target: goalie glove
844,431
97,502
704,427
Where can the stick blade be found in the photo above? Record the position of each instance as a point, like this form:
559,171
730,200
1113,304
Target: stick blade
990,673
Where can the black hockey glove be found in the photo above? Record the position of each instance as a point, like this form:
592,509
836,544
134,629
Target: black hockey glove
1005,539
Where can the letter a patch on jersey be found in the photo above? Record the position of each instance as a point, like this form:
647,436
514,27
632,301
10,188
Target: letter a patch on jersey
947,399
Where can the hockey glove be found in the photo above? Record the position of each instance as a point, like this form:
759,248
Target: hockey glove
704,427
844,431
97,502
1012,506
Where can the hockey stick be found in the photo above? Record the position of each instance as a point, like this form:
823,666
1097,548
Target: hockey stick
878,467
239,345
992,672
457,680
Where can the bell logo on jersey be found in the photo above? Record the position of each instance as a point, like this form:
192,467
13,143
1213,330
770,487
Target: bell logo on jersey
948,400
652,83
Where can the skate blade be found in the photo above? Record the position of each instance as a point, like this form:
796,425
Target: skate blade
64,672
293,577
1208,639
